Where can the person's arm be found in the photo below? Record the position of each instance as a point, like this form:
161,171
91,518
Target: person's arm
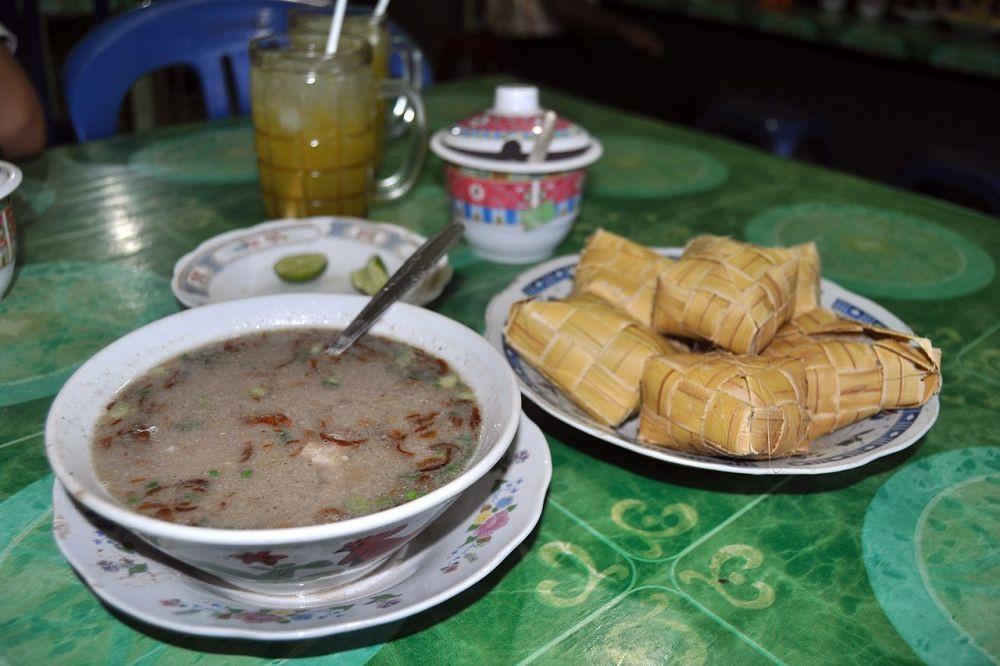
22,122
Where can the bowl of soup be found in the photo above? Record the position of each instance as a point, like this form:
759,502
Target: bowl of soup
226,437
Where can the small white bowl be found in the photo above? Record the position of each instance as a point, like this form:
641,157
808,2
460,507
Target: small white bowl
514,211
514,218
10,178
321,556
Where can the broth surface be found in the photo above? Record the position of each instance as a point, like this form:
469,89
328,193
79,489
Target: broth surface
266,431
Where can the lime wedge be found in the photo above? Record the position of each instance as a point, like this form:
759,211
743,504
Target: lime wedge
370,278
300,267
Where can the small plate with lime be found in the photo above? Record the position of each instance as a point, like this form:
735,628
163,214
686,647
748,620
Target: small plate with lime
330,255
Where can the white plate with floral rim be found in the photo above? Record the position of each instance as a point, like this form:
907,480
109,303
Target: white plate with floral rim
468,541
851,446
240,263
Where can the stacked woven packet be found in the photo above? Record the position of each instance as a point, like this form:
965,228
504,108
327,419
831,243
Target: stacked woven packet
724,351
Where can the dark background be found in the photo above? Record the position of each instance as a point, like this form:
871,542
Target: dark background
879,111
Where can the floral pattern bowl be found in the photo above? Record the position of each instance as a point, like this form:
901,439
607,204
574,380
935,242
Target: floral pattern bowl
10,178
315,557
515,211
514,218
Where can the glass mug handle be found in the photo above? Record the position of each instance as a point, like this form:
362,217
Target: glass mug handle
399,183
408,54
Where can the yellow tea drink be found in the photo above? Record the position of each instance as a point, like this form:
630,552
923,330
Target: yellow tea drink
372,30
314,119
311,26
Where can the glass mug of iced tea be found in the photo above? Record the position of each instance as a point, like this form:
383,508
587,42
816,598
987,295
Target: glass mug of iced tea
315,118
373,30
312,20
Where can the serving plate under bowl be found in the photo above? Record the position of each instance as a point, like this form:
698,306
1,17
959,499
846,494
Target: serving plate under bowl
240,263
317,556
468,541
851,446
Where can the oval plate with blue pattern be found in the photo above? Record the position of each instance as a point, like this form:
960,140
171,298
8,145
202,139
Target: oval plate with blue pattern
851,446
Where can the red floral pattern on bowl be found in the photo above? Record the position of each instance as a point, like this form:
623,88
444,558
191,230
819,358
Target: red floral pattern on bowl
527,201
374,546
10,179
8,234
501,191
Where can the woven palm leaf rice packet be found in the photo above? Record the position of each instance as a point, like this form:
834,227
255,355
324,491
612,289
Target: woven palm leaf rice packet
621,273
594,353
855,370
725,405
733,294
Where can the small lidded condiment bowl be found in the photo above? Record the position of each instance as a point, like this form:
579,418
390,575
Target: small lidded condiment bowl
514,211
10,178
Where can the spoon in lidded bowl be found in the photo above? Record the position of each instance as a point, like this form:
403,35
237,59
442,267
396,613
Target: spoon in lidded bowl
541,147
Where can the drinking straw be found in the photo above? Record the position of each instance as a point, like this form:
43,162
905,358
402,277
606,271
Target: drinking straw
336,23
380,9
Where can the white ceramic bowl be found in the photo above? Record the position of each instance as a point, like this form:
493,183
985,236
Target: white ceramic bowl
314,557
514,218
514,212
10,178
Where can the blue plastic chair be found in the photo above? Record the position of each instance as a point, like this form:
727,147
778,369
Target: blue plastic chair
202,34
781,128
967,177
210,36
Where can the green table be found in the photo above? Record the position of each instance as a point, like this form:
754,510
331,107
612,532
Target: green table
639,561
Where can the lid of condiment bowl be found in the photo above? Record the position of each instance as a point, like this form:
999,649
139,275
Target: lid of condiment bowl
507,132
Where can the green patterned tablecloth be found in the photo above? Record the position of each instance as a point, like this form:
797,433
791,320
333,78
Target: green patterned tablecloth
634,561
